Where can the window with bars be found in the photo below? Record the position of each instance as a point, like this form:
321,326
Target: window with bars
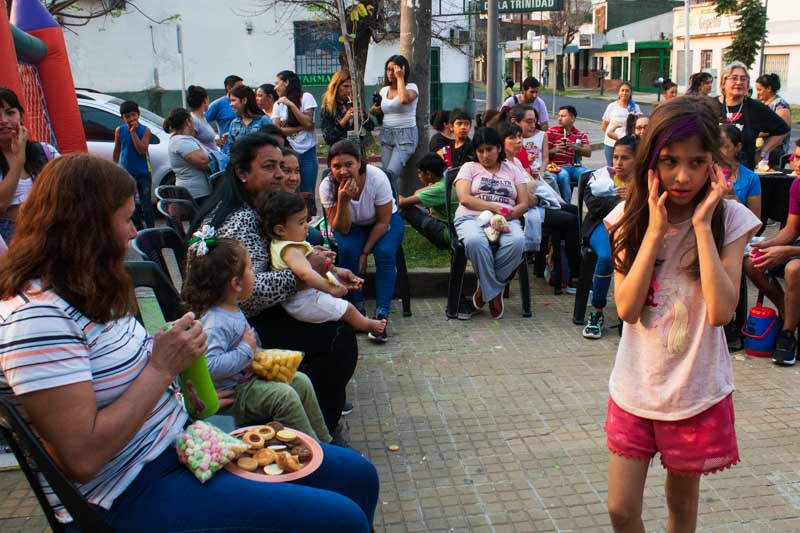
706,59
778,64
316,50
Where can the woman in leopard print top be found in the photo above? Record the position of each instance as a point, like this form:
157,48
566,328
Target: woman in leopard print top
331,350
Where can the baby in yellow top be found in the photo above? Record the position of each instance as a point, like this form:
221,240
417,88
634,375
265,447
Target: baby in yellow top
285,221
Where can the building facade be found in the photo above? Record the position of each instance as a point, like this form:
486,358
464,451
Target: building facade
134,56
711,35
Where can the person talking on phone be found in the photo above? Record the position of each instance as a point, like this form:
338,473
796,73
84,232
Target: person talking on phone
336,116
398,106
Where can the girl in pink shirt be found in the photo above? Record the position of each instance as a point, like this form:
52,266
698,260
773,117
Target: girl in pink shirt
677,249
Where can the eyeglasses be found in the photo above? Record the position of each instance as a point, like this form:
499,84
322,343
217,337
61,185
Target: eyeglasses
736,79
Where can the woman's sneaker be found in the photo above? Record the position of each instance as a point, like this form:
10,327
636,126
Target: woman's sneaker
594,329
785,349
382,336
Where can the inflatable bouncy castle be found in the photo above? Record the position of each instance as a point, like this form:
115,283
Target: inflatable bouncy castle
34,64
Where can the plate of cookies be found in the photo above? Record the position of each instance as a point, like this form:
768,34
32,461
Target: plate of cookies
276,454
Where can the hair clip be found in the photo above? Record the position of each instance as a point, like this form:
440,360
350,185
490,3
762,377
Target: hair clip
201,240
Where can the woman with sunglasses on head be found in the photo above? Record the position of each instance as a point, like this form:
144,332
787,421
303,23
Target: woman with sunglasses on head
749,115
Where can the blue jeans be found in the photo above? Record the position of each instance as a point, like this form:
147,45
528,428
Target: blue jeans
568,177
385,254
144,188
7,227
493,267
603,271
309,167
340,496
609,151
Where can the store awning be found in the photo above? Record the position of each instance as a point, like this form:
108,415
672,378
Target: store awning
571,49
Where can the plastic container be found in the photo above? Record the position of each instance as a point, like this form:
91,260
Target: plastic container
199,395
760,331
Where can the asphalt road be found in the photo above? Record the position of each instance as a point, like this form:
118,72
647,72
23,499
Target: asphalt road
593,108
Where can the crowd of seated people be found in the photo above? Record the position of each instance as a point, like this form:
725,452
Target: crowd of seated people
261,278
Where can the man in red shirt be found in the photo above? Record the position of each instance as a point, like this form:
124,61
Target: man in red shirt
566,145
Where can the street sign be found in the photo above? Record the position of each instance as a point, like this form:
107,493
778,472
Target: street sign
518,6
555,46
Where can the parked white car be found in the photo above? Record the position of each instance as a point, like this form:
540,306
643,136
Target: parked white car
100,117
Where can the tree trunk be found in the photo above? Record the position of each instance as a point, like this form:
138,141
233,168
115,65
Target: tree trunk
415,45
559,61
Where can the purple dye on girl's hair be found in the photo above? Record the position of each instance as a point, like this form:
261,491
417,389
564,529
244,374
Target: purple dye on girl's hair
685,127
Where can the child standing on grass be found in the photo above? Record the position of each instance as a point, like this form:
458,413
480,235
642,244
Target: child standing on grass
131,141
677,249
219,275
285,221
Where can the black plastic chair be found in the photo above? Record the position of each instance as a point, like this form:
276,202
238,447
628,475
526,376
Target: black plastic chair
174,192
458,261
403,285
148,274
588,261
34,460
150,243
177,212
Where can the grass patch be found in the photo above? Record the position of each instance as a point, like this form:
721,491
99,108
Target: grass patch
373,150
420,253
795,113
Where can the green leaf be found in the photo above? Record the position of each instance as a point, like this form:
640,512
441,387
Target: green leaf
352,36
341,38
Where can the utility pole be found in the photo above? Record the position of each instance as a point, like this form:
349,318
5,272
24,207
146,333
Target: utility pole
492,52
687,52
763,42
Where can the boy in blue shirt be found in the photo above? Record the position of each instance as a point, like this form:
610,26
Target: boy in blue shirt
220,111
131,141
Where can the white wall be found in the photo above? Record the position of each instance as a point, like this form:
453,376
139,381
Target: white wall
644,30
120,54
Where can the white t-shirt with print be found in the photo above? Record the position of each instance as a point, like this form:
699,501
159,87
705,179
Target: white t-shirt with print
397,115
533,145
377,191
303,140
658,380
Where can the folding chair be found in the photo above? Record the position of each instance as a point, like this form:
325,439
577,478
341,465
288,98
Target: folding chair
34,460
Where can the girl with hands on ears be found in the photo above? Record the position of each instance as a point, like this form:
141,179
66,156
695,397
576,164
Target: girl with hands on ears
676,246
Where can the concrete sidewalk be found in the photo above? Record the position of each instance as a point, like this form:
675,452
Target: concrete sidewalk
500,429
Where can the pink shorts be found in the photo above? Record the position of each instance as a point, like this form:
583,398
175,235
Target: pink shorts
702,444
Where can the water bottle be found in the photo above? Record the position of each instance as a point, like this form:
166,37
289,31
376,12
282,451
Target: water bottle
576,157
199,395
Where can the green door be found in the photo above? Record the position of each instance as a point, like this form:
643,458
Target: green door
436,80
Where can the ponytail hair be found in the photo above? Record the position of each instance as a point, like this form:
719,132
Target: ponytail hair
175,120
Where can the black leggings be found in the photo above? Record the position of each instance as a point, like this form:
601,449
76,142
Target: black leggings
563,225
428,226
331,354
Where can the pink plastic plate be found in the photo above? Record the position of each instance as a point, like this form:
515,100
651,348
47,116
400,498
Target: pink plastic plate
259,475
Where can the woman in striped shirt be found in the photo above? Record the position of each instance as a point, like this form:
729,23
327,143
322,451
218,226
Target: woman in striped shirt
72,356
